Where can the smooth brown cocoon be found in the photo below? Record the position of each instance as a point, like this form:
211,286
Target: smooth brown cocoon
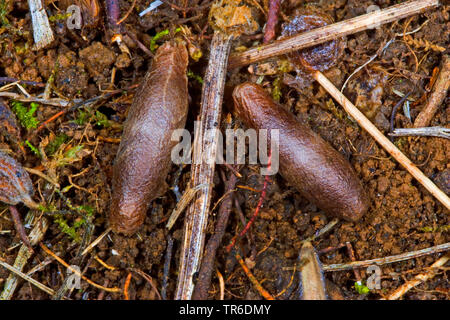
309,163
143,161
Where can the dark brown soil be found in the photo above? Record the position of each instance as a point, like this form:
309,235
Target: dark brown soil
402,217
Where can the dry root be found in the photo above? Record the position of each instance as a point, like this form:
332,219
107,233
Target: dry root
425,44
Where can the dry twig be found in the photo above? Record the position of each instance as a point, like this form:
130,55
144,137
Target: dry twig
95,242
263,292
258,207
52,102
320,232
439,132
272,20
395,108
420,278
229,21
167,260
35,236
15,215
186,198
148,279
202,171
27,278
65,264
128,12
42,32
222,285
387,260
125,287
207,267
437,96
311,274
27,82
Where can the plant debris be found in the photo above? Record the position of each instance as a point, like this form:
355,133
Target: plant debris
62,113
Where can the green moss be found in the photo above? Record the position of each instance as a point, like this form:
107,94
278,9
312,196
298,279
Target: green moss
33,148
276,92
83,117
21,50
48,208
54,145
60,17
72,152
73,230
159,35
444,228
400,142
196,54
194,76
334,110
101,119
284,66
72,155
3,12
361,288
88,210
26,115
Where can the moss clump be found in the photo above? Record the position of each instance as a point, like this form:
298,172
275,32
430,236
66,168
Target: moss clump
159,35
361,288
101,119
194,76
83,117
33,148
60,17
72,152
54,145
445,228
73,231
4,10
26,115
276,92
86,116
